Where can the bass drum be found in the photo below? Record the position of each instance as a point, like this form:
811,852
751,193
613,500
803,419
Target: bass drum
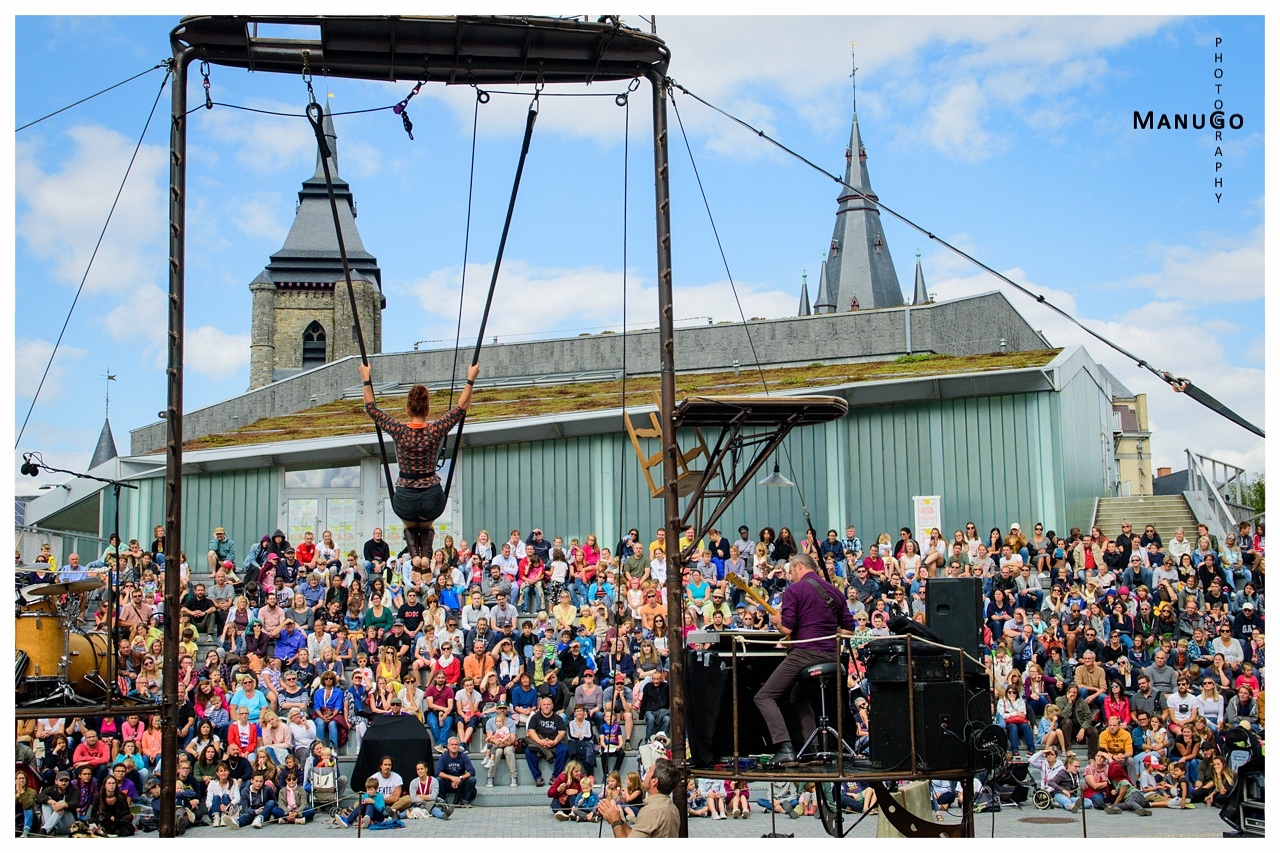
88,672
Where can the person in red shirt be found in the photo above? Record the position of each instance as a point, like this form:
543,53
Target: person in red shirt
306,550
94,752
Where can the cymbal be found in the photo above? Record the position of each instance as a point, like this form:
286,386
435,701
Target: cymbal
65,588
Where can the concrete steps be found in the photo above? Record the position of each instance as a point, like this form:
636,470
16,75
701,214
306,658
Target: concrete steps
1166,513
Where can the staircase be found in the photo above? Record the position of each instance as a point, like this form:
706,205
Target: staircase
1166,513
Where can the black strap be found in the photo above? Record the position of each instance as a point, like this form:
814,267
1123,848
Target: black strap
834,606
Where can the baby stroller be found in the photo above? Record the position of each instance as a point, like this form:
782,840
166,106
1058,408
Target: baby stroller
1007,785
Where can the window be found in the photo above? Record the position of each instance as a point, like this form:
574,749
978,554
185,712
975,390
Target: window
345,477
313,345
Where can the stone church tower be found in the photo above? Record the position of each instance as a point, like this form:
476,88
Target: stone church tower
301,312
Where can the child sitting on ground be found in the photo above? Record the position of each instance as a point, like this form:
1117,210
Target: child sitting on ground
738,795
584,805
809,799
697,802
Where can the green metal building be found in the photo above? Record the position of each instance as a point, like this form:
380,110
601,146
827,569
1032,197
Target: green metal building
1026,444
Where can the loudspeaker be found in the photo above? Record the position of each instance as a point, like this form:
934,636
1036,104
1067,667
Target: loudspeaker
953,608
940,717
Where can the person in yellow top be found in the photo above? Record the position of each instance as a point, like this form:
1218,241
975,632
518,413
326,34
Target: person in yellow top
565,613
660,542
686,539
1116,741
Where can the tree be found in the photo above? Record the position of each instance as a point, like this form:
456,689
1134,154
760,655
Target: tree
1255,493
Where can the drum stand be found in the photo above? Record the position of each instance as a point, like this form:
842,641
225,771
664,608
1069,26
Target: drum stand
63,694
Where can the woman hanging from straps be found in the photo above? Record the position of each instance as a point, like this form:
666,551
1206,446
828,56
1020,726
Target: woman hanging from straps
419,498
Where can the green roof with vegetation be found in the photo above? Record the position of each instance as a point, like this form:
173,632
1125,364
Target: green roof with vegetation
347,417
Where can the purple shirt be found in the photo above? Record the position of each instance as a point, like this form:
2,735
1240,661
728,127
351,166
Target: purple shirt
806,613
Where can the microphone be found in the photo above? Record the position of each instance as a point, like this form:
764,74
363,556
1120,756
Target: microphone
29,467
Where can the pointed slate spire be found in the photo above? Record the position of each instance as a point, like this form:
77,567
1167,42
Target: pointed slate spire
106,449
310,252
805,310
826,303
331,136
860,265
921,295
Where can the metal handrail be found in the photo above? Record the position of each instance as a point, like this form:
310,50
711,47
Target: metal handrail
1199,481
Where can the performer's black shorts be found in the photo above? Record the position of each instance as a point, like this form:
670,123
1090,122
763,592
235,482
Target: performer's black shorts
418,504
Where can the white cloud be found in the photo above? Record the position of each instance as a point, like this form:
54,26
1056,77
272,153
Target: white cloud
1223,270
30,357
215,353
263,144
534,301
1028,63
62,207
261,214
143,318
1168,335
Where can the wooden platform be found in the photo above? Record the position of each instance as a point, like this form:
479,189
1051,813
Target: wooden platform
759,411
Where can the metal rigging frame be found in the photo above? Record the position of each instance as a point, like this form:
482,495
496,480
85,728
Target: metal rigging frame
457,51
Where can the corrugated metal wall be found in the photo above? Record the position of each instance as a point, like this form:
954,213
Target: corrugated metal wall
243,502
994,460
1082,419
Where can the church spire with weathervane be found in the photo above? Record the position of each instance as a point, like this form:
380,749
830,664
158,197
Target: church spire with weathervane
858,262
805,310
921,295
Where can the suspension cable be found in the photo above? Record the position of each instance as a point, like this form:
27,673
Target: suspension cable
161,64
315,114
1179,384
530,120
745,326
626,184
94,255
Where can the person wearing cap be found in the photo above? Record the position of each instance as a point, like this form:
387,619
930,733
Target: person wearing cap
221,549
1248,619
57,809
717,604
290,641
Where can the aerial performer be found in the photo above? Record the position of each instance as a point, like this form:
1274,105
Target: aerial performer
419,499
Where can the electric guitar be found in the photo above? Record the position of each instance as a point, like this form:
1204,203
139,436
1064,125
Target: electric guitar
741,584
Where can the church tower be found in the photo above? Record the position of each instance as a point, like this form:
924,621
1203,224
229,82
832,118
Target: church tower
859,266
301,313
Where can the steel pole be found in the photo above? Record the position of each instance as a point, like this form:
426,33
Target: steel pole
670,451
182,58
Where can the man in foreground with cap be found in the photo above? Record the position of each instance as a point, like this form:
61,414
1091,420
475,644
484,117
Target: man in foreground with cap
221,549
659,818
291,641
57,812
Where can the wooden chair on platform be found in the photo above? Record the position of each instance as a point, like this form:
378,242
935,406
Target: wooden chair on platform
687,476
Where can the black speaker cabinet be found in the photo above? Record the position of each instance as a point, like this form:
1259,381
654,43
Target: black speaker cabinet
953,608
940,716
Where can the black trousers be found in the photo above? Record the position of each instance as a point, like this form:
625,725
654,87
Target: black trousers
785,682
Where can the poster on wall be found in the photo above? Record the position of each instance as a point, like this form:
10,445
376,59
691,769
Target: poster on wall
928,515
341,517
304,514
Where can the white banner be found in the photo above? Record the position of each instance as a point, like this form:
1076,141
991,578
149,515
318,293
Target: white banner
928,515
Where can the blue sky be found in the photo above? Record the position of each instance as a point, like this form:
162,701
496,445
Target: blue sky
1011,137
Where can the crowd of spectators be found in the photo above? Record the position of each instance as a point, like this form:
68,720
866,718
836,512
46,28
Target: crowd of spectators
556,650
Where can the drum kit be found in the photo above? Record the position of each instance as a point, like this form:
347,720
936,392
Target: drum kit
55,660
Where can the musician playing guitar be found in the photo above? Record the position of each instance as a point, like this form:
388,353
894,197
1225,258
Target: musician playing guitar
811,608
